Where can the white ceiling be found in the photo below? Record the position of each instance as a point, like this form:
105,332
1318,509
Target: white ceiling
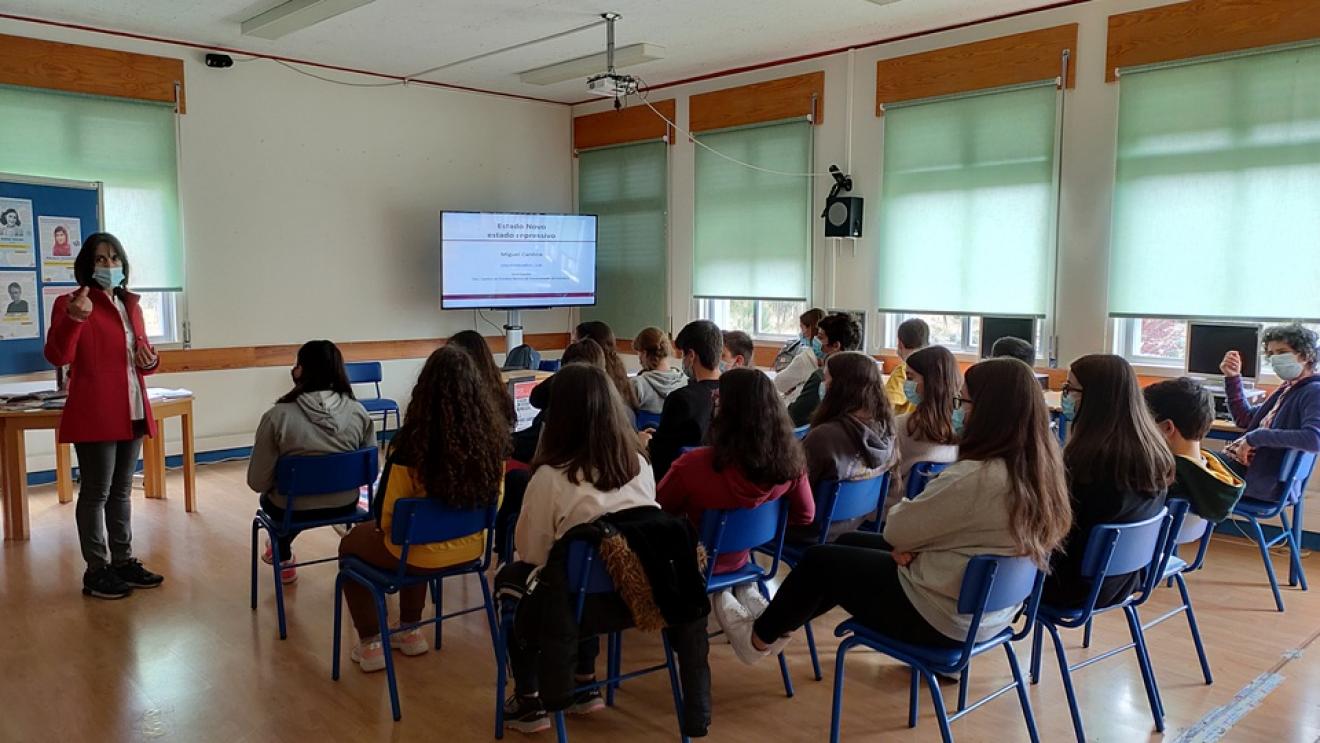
403,37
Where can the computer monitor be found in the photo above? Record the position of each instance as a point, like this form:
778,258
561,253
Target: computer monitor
994,328
1208,342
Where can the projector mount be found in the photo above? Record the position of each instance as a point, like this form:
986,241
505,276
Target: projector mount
610,84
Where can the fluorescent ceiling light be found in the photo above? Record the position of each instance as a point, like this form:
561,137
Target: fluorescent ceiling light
296,15
584,67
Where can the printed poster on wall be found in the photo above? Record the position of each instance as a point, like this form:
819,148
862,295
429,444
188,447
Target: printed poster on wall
48,296
16,234
19,320
61,239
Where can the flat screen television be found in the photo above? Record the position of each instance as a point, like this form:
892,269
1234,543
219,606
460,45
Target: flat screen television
511,260
994,328
1207,342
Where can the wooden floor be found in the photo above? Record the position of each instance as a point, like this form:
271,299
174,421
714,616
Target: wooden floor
190,662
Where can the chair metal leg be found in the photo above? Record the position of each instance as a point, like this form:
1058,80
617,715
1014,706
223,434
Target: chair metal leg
914,694
1022,693
811,647
382,615
1147,672
1086,633
836,712
1269,564
962,687
1196,632
256,528
339,624
279,588
438,595
941,714
783,662
610,672
504,625
1035,653
1062,657
674,684
489,604
561,733
1295,574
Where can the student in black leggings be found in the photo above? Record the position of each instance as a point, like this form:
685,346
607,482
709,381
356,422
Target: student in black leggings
1006,495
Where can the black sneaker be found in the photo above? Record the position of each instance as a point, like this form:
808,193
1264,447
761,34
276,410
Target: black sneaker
135,575
587,701
104,583
525,714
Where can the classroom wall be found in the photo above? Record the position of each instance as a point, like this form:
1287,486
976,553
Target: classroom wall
312,210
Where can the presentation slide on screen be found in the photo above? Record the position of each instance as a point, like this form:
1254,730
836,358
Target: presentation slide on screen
517,260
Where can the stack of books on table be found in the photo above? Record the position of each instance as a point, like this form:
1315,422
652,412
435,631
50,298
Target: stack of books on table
48,399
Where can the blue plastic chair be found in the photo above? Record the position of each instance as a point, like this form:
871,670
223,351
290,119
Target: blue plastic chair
549,365
988,584
586,576
1291,489
920,475
647,420
1111,549
371,372
418,521
738,529
836,502
800,432
304,476
1185,528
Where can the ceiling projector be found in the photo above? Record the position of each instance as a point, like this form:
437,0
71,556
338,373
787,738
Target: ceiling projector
611,85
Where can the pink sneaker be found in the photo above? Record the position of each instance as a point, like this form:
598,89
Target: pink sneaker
289,575
369,655
411,642
268,554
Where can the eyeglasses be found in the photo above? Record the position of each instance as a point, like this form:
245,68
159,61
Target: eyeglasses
959,401
1068,389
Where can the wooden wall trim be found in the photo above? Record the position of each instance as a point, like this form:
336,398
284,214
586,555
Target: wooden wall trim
773,100
251,357
632,124
993,63
72,68
1199,28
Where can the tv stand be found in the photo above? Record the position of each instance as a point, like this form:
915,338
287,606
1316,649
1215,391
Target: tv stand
513,330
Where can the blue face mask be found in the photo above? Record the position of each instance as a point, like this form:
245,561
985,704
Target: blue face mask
1286,366
959,420
108,278
910,391
1069,405
817,348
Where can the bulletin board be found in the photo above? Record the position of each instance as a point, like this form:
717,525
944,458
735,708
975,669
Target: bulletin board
43,222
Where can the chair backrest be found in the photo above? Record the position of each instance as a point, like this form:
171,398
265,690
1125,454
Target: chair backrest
993,583
1119,549
586,575
1294,474
418,521
800,432
322,474
849,499
921,474
364,372
738,529
1186,527
647,420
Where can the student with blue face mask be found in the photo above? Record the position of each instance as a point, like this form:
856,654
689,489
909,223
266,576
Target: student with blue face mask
1288,419
800,357
98,332
927,433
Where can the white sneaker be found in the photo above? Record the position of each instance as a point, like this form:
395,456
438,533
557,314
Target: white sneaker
749,595
410,642
724,608
369,655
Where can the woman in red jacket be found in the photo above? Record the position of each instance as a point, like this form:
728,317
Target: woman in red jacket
97,331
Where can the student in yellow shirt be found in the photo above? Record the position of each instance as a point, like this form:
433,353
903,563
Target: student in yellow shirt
913,335
451,447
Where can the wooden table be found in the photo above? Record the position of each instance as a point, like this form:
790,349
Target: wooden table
13,460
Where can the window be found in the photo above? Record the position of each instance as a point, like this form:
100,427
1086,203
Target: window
1218,177
772,320
626,186
958,333
159,315
968,205
1159,341
752,229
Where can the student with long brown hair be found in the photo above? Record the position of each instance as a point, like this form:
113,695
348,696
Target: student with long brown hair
852,433
451,448
1006,495
585,351
1119,469
658,376
472,342
589,463
927,433
604,337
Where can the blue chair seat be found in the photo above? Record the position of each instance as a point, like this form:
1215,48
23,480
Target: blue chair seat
1257,508
379,405
1175,566
390,580
357,518
938,659
745,574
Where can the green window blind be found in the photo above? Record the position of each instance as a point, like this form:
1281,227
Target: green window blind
752,236
1217,199
129,146
626,187
967,205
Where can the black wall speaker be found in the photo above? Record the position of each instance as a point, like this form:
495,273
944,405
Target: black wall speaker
843,216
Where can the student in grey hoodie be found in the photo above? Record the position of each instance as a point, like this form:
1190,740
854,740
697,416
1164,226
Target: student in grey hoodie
318,416
853,435
657,378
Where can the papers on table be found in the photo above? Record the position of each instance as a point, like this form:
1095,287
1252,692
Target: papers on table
164,393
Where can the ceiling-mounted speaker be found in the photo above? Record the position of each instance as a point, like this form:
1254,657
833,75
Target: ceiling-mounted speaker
843,216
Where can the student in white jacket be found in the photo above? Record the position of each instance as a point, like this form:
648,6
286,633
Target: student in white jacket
318,416
1006,495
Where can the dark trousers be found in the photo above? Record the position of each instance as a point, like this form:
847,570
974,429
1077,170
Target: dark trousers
523,652
284,546
105,500
858,573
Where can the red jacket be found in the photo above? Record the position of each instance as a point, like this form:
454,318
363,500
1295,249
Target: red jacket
98,406
691,486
